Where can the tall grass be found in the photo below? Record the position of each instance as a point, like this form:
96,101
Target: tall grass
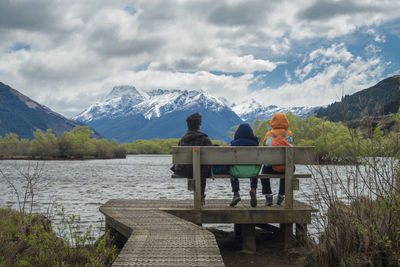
359,222
29,240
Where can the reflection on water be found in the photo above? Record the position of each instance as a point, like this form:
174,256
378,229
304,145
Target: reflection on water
81,187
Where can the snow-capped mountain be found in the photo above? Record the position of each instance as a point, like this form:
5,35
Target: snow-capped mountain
250,110
127,100
121,100
128,114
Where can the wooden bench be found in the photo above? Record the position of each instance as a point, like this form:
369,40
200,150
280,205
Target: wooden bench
213,155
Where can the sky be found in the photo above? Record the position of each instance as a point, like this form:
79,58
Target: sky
69,54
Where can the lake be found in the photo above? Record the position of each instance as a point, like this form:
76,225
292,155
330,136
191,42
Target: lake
81,187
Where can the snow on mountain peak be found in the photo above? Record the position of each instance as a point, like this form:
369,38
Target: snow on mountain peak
165,101
127,100
249,110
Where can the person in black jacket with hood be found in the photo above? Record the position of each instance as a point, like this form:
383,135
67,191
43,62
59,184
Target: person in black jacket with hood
244,136
193,137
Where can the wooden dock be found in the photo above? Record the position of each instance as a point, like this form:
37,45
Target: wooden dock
169,232
166,232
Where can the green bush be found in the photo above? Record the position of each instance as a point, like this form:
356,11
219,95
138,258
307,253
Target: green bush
77,143
333,141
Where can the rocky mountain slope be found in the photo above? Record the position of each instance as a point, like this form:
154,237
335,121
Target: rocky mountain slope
21,115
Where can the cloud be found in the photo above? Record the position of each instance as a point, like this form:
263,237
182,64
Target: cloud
67,54
28,15
336,53
330,18
223,62
241,13
378,38
324,10
345,73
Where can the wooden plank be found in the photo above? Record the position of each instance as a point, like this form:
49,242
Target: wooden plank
212,155
216,211
121,228
269,227
242,216
289,178
196,177
261,176
126,205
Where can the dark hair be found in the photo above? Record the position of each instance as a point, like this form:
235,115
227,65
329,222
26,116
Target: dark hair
193,121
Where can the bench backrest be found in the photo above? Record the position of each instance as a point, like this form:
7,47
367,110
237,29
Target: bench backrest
213,155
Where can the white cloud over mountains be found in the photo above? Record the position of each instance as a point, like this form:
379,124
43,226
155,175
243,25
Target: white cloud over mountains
337,72
68,54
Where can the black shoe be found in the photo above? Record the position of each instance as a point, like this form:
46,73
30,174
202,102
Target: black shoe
236,198
203,200
253,198
268,200
281,198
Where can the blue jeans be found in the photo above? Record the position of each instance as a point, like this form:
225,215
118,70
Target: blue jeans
266,184
236,187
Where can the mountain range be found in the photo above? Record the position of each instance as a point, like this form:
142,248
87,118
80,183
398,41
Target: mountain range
127,114
250,110
21,115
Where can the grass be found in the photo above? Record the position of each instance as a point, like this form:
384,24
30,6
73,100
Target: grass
29,240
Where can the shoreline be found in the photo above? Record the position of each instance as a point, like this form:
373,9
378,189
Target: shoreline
46,158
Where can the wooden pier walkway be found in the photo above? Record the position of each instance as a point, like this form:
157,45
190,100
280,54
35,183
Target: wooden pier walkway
157,238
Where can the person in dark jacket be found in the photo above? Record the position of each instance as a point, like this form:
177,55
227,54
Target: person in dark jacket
193,137
244,136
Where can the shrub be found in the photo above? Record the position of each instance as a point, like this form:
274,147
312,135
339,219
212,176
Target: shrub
359,223
28,240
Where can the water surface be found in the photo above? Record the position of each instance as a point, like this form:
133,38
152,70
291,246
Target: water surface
81,187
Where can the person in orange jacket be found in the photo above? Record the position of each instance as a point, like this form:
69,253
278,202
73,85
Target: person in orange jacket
280,125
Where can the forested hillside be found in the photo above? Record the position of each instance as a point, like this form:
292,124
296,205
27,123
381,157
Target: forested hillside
380,99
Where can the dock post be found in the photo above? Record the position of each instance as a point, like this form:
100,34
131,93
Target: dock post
287,228
249,238
287,232
237,229
197,178
289,156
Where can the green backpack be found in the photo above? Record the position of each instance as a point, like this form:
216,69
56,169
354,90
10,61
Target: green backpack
244,171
